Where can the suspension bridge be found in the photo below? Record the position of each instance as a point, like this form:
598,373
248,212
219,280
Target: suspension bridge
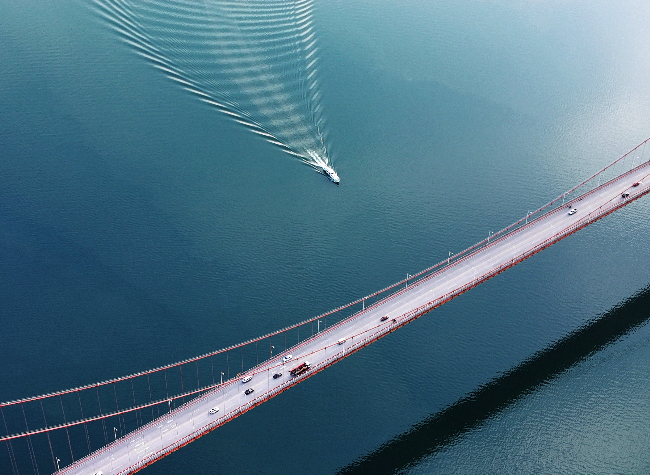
124,424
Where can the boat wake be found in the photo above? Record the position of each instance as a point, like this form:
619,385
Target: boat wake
255,61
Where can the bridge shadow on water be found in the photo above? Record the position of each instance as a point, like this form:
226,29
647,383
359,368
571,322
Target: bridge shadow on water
438,430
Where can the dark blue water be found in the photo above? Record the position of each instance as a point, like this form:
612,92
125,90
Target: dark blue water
139,226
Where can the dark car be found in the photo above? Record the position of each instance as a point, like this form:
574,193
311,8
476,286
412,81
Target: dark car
248,391
636,184
384,318
277,375
625,195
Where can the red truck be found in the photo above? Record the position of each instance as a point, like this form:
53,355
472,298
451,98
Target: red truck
298,370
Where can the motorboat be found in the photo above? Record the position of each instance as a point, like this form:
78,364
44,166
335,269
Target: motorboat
320,163
331,174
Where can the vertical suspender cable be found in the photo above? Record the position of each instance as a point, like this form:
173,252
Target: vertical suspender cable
10,449
166,388
49,442
66,428
212,364
182,388
85,425
138,424
29,441
117,409
99,403
149,384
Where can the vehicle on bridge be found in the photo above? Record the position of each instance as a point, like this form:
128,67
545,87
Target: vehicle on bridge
246,379
214,410
298,370
625,194
277,375
248,391
573,211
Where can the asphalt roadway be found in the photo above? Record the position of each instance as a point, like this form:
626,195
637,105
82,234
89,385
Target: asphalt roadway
193,419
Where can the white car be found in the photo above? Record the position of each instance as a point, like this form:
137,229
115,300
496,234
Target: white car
286,358
246,379
214,410
573,211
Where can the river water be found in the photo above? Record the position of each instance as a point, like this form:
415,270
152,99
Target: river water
139,226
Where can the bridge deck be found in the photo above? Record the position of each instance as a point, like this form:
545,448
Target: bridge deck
193,419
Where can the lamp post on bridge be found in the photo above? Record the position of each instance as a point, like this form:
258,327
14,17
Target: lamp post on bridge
271,351
222,377
407,280
528,214
57,463
449,257
489,234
